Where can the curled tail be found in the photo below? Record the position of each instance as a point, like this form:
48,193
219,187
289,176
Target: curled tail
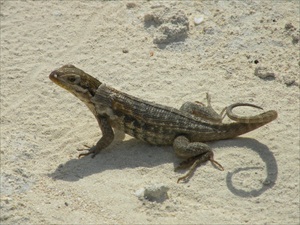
245,124
261,118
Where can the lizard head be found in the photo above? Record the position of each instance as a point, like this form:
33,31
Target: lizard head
76,81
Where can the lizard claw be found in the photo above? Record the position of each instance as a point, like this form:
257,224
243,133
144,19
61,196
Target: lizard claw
186,163
83,155
89,149
194,162
199,103
83,149
192,169
216,164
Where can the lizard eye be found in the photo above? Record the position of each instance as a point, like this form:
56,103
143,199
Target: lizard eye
72,79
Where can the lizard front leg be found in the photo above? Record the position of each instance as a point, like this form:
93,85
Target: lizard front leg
196,154
105,140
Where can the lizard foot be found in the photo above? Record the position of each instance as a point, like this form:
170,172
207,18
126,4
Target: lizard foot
91,150
194,162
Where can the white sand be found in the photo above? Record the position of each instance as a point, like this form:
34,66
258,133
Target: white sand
42,125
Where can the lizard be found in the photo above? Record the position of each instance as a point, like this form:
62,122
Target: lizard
186,129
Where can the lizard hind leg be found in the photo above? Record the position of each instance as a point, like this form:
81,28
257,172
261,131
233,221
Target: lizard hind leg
198,109
196,154
194,162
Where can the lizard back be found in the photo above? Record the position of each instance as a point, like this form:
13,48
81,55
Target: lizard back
160,125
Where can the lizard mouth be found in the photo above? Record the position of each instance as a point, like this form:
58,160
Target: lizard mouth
59,78
53,76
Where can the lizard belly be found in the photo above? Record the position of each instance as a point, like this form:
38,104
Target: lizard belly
151,134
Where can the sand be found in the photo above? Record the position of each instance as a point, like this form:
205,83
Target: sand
242,51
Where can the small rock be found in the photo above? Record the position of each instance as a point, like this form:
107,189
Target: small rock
6,199
154,192
295,39
290,81
289,26
208,30
167,25
57,13
130,5
198,20
125,50
264,73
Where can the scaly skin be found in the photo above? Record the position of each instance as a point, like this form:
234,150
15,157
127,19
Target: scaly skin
156,124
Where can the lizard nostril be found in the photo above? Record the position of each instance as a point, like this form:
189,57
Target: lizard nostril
53,75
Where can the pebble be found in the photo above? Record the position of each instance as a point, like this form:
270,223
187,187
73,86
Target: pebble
264,73
198,20
289,81
295,39
289,26
130,5
153,193
57,13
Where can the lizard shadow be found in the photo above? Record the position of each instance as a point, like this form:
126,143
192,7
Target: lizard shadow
267,157
133,153
130,153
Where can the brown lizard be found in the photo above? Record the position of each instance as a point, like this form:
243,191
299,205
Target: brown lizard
185,129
